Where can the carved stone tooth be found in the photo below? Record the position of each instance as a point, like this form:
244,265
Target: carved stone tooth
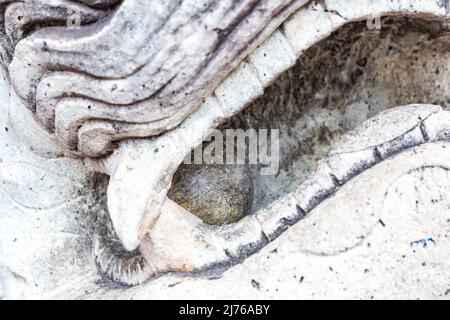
373,132
345,166
317,187
191,237
272,57
436,126
410,139
238,238
310,25
143,172
364,147
138,187
276,218
239,89
210,247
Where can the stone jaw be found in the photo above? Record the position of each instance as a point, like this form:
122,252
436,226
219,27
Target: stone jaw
215,248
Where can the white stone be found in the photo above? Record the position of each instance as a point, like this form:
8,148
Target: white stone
370,222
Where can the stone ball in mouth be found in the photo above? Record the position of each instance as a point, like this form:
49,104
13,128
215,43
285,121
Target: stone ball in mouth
217,194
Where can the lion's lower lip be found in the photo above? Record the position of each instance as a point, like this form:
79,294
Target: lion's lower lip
212,247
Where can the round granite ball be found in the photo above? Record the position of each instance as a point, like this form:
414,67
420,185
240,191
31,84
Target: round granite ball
217,194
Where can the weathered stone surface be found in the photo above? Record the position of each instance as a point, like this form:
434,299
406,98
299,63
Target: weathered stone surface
363,224
91,92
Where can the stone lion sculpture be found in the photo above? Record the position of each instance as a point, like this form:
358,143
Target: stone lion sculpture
104,99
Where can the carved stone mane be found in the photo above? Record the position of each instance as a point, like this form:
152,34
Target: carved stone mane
138,69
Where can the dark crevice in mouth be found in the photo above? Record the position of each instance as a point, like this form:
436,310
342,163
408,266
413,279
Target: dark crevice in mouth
117,266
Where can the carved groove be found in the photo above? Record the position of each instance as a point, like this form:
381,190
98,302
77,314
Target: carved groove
149,66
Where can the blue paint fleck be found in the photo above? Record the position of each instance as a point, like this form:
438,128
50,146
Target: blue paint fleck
423,242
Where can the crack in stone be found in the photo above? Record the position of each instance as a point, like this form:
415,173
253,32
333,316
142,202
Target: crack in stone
325,8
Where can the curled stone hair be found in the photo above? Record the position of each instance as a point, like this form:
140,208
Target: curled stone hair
136,69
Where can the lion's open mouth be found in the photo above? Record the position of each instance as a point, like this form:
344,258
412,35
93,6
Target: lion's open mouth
350,77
